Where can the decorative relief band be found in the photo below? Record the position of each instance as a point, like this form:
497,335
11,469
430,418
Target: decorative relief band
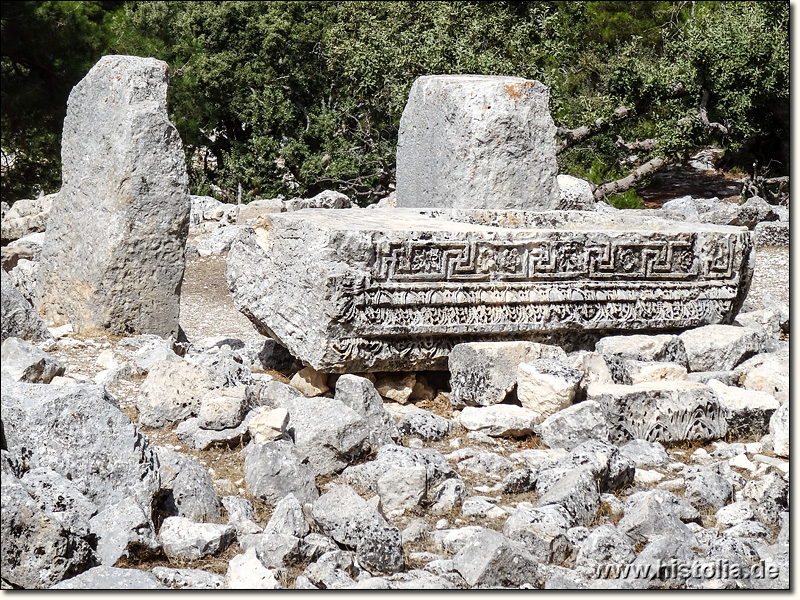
550,260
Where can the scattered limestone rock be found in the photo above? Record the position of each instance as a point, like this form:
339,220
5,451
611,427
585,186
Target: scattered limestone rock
310,381
779,430
396,386
245,572
105,577
275,469
47,425
268,424
546,386
225,408
182,538
424,424
574,425
402,488
490,559
499,420
327,433
766,373
186,487
747,411
720,347
359,393
19,319
171,393
22,361
483,373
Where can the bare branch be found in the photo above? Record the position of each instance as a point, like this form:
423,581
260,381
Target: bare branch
637,146
702,114
621,185
570,137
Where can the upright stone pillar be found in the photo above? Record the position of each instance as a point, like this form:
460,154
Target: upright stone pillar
113,257
477,141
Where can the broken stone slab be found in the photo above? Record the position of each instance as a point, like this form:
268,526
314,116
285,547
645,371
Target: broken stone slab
113,256
397,289
477,141
668,411
18,317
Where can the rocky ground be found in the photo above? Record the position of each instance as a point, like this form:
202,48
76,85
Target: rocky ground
246,470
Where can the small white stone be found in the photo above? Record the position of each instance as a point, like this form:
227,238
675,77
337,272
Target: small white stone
442,524
415,443
647,477
106,360
742,462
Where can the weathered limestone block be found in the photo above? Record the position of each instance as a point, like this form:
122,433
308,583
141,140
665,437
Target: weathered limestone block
668,411
26,217
113,254
476,141
397,289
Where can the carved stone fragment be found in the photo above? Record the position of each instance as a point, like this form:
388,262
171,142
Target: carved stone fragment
397,289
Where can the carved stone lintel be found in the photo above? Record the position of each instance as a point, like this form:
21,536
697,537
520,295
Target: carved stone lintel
396,289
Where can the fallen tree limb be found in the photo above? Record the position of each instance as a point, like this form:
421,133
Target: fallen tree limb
619,186
637,146
570,137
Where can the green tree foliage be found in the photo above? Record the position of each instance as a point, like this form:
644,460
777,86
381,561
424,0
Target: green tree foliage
47,47
296,97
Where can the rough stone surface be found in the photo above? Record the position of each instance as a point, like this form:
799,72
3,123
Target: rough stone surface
310,381
245,572
707,490
225,408
576,193
111,578
397,289
22,361
327,433
59,498
490,559
275,469
172,392
189,579
47,425
181,538
748,412
483,373
577,493
424,424
542,531
288,518
546,386
360,394
660,411
186,487
26,217
656,513
499,420
618,350
123,208
18,318
766,373
574,425
720,347
475,141
123,530
268,424
37,550
402,488
779,429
